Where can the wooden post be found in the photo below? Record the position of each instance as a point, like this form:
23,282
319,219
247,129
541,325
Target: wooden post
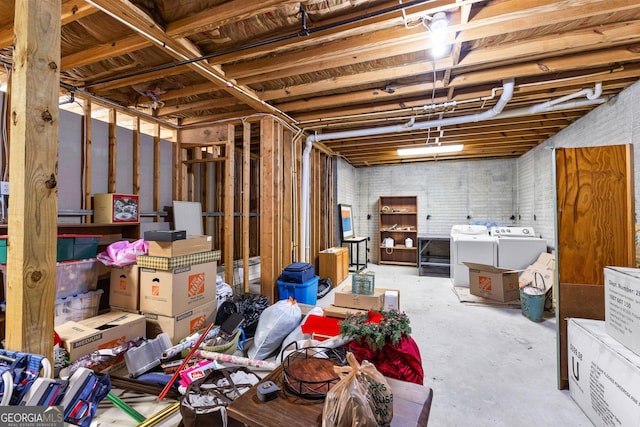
229,211
113,151
246,205
268,186
31,263
87,156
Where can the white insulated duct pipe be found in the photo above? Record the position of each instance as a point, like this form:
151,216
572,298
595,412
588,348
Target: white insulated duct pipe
593,98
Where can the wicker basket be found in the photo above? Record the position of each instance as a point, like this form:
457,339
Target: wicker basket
229,347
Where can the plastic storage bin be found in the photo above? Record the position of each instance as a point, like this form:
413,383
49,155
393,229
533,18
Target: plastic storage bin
304,293
77,307
77,246
72,277
76,277
3,249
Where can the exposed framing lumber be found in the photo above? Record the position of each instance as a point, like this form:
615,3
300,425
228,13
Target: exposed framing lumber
156,170
113,151
31,263
229,182
87,158
269,185
135,153
246,201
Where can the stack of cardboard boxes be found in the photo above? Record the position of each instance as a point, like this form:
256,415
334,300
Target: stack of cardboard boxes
171,290
604,356
178,286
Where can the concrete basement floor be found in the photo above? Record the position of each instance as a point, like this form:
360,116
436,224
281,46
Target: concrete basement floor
487,366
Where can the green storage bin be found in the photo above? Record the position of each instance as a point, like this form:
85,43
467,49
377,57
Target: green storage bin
3,249
77,246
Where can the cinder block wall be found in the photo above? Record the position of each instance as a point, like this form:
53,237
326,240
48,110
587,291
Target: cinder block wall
448,193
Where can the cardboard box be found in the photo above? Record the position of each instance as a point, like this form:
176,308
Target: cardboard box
103,331
391,300
542,271
115,208
494,283
164,263
622,305
190,245
172,292
344,297
340,312
604,375
182,325
124,287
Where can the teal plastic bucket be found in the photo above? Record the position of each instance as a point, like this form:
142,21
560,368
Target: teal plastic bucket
532,302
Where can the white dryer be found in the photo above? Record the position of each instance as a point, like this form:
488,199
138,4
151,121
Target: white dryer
470,243
518,247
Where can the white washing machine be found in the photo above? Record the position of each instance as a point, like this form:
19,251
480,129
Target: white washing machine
518,247
470,243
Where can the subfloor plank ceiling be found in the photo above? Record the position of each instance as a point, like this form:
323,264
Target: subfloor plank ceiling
332,67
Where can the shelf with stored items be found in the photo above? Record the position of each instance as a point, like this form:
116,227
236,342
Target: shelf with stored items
398,230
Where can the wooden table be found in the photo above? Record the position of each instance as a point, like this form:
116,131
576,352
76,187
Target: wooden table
411,403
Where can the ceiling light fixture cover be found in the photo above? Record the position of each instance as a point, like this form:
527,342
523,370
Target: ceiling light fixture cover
430,149
438,29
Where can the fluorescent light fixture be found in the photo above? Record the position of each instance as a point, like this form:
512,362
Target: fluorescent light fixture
430,149
438,29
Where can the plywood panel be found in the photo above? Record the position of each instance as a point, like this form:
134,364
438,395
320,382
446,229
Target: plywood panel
595,221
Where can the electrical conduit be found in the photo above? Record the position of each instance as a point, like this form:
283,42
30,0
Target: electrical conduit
593,98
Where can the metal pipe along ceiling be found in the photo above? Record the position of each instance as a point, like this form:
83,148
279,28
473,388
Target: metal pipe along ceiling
593,98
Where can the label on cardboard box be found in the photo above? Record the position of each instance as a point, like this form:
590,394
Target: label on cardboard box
604,375
622,305
340,312
182,325
494,283
192,244
172,292
124,287
103,331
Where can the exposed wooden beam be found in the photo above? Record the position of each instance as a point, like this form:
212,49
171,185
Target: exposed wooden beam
31,258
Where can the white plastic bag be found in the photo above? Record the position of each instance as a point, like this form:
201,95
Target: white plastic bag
297,335
275,323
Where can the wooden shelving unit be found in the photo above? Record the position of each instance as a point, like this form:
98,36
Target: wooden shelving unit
398,220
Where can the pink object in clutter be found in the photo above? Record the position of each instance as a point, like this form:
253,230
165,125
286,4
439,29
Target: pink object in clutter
198,371
123,253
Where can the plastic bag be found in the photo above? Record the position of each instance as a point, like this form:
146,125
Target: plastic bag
251,306
275,323
297,335
362,397
123,253
223,291
206,399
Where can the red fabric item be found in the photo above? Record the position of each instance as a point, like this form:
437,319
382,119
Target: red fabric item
402,361
327,326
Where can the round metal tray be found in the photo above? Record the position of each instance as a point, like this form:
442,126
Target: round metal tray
308,372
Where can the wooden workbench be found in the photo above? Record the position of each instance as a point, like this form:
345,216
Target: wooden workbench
411,404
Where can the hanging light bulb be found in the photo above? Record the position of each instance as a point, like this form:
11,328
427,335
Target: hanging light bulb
438,29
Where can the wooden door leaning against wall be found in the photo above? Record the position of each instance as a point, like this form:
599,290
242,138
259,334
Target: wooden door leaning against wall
595,221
